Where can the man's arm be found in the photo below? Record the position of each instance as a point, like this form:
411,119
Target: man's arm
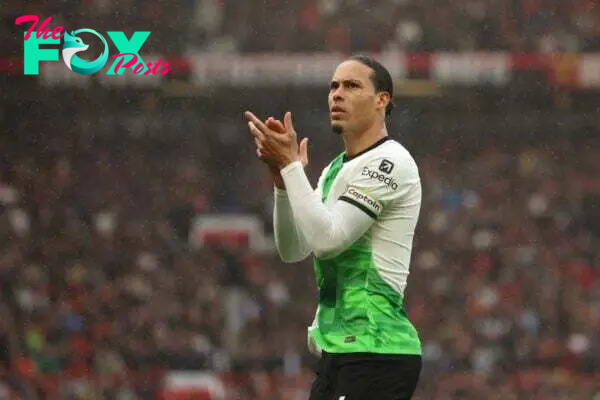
327,232
330,231
289,241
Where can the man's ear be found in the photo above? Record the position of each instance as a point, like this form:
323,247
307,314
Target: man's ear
383,99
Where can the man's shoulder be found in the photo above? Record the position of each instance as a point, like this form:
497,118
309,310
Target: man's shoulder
391,158
385,173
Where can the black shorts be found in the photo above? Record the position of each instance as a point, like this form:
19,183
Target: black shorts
366,377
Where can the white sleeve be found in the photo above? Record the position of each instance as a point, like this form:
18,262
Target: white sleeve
327,232
289,240
380,183
290,243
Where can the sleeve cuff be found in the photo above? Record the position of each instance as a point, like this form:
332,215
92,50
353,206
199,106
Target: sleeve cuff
291,167
290,173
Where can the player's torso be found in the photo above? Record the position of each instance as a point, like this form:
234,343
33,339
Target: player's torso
361,289
389,240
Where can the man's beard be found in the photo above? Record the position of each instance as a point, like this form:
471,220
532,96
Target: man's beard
337,129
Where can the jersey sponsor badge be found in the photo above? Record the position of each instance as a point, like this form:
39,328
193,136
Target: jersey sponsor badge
375,175
363,201
386,166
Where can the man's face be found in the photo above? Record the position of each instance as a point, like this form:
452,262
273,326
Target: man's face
353,103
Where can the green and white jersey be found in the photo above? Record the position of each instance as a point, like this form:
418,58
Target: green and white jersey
361,289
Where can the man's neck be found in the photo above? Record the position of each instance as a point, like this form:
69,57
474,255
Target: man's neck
355,142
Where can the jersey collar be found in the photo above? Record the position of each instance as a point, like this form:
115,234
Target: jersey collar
371,147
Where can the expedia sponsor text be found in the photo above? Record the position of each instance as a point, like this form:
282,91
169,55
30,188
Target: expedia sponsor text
389,181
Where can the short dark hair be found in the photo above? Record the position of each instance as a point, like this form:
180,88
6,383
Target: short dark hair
381,77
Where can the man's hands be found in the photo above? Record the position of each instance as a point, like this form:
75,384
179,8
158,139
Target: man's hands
276,143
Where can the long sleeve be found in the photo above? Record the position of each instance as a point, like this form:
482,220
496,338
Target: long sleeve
327,232
289,241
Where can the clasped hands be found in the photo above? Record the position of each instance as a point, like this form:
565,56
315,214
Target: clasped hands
276,142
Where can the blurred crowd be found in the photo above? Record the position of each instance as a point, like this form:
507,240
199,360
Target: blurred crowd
98,279
332,25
